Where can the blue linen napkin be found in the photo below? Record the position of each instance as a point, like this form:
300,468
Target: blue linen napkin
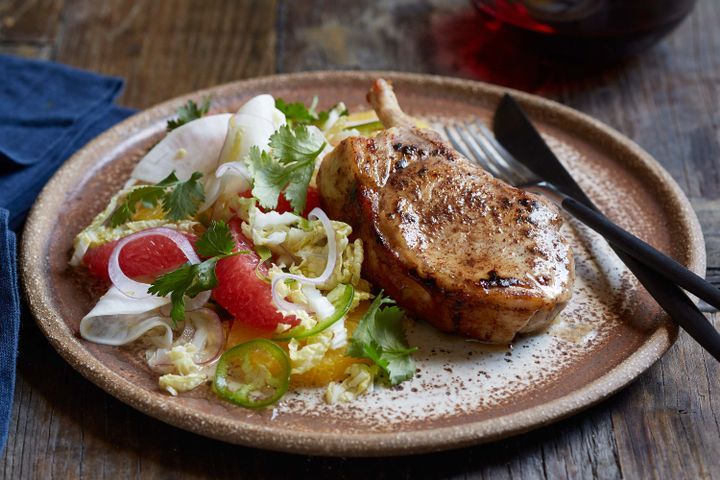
9,323
47,112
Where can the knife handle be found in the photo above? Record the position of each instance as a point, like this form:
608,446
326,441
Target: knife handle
644,252
635,252
676,303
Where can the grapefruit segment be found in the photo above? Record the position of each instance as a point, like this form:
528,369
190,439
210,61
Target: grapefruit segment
239,290
142,259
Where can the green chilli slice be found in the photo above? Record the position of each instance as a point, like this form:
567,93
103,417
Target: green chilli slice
342,306
254,374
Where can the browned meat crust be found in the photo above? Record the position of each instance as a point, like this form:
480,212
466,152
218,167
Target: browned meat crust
450,243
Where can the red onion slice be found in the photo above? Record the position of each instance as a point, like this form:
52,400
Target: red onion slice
209,337
199,301
127,285
283,304
204,330
238,168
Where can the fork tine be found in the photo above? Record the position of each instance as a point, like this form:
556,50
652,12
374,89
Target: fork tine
497,153
494,157
457,142
478,152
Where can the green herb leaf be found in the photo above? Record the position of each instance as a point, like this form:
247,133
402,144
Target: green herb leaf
147,195
296,144
189,112
203,277
174,284
298,114
169,181
380,337
269,177
296,190
189,280
217,240
295,112
179,199
289,168
184,199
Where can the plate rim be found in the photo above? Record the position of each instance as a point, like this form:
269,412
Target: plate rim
33,265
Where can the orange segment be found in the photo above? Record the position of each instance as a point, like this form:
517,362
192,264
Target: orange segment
241,333
330,369
333,365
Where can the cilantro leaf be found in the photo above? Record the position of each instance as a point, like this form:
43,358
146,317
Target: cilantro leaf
203,277
189,112
169,181
175,284
296,144
298,114
269,177
189,280
217,240
179,199
147,195
296,190
295,112
289,167
380,337
184,199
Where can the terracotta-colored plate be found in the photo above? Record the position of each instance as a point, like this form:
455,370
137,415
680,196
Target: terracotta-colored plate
464,393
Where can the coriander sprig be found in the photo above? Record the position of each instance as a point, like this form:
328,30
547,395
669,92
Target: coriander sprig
179,199
189,112
298,114
189,280
380,337
288,168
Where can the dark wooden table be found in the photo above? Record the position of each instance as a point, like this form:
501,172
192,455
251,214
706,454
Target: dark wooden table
666,424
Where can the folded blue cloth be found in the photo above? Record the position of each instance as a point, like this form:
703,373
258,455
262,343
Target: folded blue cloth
9,323
47,112
40,100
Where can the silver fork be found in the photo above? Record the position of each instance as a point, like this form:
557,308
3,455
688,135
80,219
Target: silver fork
475,141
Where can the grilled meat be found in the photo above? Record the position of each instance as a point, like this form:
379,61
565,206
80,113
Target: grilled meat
453,245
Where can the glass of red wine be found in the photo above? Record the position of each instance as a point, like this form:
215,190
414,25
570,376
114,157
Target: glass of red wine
588,31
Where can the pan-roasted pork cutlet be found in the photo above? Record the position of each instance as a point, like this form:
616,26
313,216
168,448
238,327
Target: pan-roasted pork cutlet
453,245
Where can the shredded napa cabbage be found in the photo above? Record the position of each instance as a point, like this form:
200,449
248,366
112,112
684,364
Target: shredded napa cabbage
305,242
228,206
98,233
188,376
304,357
360,381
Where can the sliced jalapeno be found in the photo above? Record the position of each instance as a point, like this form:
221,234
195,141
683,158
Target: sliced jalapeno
253,374
342,305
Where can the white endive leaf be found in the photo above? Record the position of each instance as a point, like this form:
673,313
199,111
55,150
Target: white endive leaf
193,147
251,126
117,319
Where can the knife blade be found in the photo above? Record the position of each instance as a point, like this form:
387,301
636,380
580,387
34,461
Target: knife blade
517,134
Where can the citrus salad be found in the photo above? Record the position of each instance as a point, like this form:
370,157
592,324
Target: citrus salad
223,267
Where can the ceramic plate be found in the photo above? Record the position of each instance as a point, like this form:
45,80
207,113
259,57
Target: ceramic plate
464,392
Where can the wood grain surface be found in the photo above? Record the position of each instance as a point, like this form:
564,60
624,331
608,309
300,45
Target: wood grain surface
664,425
